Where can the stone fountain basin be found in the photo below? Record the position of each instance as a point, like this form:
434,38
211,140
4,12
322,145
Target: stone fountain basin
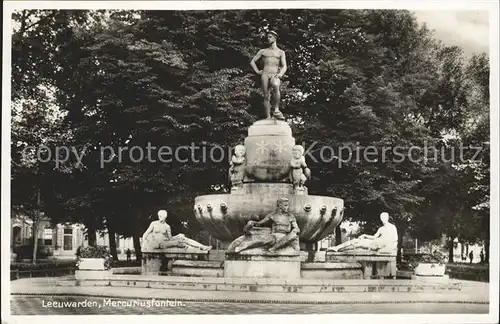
225,215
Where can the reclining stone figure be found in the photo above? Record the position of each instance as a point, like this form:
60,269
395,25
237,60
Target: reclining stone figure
158,236
385,240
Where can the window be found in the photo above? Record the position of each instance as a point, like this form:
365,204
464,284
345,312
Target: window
47,236
68,239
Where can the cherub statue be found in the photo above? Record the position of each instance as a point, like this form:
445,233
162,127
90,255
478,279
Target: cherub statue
237,166
300,172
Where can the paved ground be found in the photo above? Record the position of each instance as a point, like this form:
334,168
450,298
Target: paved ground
472,292
40,305
32,296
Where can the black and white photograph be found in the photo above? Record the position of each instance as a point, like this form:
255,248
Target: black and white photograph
250,158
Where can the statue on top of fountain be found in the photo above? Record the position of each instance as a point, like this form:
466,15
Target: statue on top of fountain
158,236
274,67
284,232
384,241
299,173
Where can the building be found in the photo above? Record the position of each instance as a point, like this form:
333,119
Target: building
59,242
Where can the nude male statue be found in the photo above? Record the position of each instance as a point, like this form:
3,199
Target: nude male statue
284,232
271,73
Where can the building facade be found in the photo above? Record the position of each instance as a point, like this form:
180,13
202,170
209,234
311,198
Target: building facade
59,241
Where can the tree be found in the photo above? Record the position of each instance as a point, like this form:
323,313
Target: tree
133,90
365,78
35,135
37,121
477,135
462,212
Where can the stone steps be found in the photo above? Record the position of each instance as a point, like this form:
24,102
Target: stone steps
269,285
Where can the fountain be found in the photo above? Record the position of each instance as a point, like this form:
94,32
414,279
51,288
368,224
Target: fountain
266,178
267,168
268,173
269,226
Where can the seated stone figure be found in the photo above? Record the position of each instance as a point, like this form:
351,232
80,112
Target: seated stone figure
284,232
159,236
384,241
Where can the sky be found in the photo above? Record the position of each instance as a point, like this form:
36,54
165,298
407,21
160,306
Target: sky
467,29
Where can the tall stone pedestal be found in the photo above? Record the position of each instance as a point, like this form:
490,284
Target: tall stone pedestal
258,263
268,150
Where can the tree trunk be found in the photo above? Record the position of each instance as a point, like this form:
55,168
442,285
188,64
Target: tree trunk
487,251
401,229
399,255
35,241
137,247
91,234
338,235
450,249
36,221
22,30
112,244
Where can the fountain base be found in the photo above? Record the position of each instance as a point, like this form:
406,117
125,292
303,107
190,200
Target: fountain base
332,270
193,268
259,263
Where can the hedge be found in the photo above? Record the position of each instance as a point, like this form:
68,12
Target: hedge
124,263
473,272
22,266
28,270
